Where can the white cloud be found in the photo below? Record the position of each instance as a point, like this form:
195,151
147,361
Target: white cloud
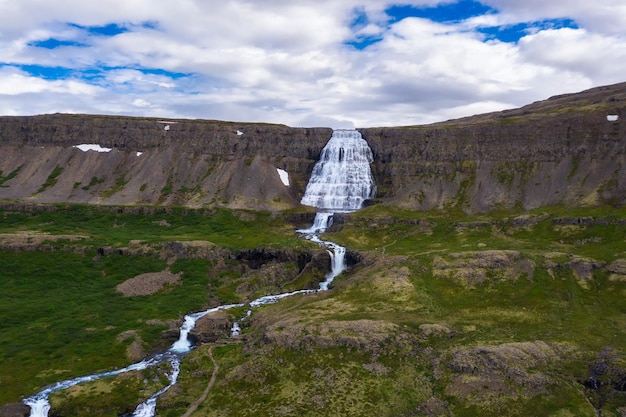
289,62
604,16
595,56
14,82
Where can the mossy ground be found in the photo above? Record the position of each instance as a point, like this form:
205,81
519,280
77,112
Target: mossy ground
60,314
302,359
399,335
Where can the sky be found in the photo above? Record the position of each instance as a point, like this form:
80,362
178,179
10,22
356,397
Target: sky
336,63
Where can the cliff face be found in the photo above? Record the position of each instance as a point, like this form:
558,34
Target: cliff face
163,162
561,150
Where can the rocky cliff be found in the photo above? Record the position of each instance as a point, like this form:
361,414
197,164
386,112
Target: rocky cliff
155,162
561,150
567,149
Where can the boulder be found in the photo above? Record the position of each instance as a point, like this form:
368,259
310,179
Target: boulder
14,410
211,327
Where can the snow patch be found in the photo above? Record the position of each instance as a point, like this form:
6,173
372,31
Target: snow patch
239,133
284,176
612,117
92,147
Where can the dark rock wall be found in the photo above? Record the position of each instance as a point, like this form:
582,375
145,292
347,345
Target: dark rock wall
527,158
188,163
561,150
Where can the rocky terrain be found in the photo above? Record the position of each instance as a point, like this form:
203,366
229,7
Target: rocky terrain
561,150
154,162
486,278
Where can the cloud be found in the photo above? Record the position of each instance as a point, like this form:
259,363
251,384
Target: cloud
14,82
595,56
603,16
300,63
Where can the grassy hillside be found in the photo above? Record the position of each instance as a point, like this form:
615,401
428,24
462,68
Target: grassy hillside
60,312
506,313
503,314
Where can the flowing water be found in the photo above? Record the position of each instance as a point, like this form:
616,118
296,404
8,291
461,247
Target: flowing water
342,179
340,182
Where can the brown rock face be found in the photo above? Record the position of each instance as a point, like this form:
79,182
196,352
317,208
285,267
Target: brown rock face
14,410
189,163
211,327
561,150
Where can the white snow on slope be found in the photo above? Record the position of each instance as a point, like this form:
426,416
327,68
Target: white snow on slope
92,147
284,176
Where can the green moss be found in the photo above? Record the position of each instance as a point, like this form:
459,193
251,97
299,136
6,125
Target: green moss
94,181
9,177
117,187
574,169
52,179
168,188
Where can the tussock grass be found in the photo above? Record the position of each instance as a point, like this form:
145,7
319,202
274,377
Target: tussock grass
432,316
394,335
60,312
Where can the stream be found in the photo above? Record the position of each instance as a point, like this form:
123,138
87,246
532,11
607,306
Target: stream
340,182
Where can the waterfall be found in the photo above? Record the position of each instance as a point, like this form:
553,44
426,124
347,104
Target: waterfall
322,222
342,179
340,182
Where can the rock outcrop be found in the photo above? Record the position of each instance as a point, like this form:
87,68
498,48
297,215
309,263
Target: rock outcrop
14,410
562,150
155,162
211,327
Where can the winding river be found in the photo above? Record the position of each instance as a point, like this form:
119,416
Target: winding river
340,182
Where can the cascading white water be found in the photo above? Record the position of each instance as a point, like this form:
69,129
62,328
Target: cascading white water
322,222
341,182
40,406
342,179
148,407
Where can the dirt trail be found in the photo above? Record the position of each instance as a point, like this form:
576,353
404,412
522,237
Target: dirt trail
194,406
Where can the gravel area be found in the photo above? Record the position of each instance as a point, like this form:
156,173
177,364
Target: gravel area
147,284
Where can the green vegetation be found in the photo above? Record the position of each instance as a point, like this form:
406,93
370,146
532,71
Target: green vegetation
110,396
61,315
94,181
167,189
52,179
504,313
118,186
112,228
487,315
9,177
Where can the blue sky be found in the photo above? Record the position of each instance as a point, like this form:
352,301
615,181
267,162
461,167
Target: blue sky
316,62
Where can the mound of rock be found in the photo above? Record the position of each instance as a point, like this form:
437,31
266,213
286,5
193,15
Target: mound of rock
147,284
14,410
617,270
473,268
366,335
489,374
211,327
